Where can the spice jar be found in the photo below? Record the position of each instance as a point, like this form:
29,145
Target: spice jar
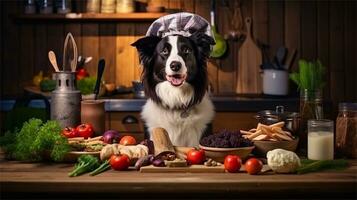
125,6
93,6
108,6
346,130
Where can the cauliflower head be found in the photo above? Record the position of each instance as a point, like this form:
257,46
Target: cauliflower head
283,161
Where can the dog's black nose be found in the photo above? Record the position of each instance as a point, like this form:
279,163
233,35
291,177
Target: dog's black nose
175,66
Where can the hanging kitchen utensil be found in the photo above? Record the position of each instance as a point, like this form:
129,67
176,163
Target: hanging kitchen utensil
237,23
101,65
53,60
280,57
70,53
249,80
221,46
75,55
266,64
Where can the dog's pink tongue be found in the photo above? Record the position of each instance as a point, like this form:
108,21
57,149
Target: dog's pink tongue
175,81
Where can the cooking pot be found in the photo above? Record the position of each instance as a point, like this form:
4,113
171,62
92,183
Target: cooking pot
291,119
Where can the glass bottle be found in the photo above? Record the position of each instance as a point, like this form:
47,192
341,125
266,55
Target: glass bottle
346,130
320,140
311,107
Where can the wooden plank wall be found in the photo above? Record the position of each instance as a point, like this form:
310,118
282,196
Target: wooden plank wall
317,29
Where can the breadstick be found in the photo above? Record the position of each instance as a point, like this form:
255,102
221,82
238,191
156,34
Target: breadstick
255,134
284,137
94,139
267,131
261,137
281,132
274,136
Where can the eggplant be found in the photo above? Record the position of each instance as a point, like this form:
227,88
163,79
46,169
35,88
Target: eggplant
158,163
144,161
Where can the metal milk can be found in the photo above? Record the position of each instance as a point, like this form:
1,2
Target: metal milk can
66,100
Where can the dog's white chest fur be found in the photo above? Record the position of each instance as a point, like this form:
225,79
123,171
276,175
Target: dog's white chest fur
183,131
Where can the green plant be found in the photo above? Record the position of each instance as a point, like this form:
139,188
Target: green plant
34,140
310,75
86,163
308,166
86,85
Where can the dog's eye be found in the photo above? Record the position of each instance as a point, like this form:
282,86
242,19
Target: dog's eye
165,52
186,50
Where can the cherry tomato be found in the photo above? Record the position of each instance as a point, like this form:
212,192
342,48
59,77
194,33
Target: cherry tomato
119,162
85,130
127,140
196,157
232,163
253,166
69,132
81,73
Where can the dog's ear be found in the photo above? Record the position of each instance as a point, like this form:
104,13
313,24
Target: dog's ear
203,43
146,47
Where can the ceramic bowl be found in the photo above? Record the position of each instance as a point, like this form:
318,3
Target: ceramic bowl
262,147
218,154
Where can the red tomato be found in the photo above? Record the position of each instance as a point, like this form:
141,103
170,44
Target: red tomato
232,163
85,130
127,140
196,157
81,73
119,162
253,166
69,132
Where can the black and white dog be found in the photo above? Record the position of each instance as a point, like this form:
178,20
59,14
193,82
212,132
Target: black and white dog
175,81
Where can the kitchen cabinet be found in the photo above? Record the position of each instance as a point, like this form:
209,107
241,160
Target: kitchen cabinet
128,123
234,121
131,123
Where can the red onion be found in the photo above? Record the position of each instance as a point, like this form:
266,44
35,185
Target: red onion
111,136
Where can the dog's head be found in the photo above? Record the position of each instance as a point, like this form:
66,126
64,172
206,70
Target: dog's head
176,63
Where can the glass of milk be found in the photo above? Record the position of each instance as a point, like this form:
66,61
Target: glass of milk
320,144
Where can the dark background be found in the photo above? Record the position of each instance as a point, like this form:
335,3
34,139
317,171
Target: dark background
317,29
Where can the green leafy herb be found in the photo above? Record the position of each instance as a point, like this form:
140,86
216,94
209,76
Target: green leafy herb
310,75
308,166
86,85
86,163
102,168
34,140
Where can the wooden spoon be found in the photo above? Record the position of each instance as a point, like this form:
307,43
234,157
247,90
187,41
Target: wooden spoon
53,60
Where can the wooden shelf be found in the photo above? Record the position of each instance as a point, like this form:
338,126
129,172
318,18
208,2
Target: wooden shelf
89,17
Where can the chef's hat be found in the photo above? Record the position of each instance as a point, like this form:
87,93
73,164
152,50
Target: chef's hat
183,23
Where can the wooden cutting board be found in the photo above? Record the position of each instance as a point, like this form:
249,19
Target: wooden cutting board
189,169
249,61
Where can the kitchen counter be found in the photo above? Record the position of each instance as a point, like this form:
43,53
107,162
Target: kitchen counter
222,103
32,180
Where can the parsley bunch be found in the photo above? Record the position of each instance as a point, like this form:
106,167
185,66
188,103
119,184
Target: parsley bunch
34,140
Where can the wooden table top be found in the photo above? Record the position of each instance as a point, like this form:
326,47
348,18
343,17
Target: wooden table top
45,177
